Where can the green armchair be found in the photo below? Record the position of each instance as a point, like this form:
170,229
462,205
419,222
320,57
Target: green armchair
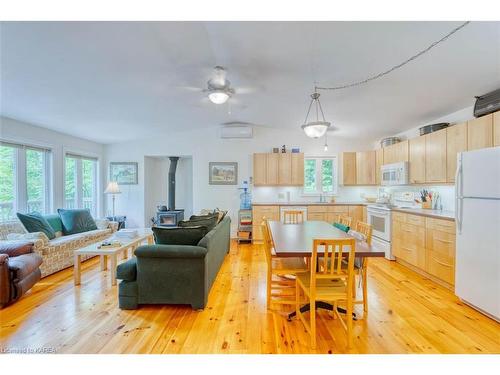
174,274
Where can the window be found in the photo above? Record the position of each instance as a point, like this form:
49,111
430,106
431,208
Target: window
25,177
80,182
320,176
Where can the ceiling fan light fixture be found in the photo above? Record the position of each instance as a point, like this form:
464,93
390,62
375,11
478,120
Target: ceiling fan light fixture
316,129
218,96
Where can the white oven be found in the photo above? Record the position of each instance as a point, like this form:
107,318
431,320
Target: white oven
394,174
380,219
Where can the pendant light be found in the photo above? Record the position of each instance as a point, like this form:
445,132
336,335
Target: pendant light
318,128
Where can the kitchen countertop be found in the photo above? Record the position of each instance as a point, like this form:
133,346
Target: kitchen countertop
437,214
360,203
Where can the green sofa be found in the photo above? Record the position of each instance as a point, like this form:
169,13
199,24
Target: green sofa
174,274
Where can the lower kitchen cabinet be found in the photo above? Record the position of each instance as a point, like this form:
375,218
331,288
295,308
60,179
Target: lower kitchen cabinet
258,215
356,212
427,244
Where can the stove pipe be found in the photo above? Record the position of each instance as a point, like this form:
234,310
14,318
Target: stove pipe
171,182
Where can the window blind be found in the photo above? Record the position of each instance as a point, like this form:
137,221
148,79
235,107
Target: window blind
25,146
83,157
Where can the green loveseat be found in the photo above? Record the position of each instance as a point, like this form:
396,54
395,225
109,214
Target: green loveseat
174,274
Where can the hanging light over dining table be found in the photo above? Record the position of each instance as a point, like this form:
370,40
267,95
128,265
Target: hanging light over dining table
317,128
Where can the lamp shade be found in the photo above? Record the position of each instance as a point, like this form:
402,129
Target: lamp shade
112,188
316,129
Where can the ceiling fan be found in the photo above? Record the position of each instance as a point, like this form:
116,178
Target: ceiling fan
219,88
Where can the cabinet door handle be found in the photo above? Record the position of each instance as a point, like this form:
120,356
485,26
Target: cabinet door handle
441,263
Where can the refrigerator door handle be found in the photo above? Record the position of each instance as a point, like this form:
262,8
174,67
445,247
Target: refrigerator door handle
458,194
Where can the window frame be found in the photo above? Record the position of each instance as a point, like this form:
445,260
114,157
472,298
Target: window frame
79,157
20,199
319,182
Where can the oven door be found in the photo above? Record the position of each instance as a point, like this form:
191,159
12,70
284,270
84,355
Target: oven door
380,221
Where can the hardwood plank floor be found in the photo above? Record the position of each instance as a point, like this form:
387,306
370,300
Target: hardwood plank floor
408,314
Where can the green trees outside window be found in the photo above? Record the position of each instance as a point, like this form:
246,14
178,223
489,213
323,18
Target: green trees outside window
320,176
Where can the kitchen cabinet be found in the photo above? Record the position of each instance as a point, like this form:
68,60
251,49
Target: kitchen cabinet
408,239
379,157
258,214
417,160
435,156
278,169
285,169
440,246
396,153
480,132
427,244
329,214
259,169
456,141
366,164
496,128
272,169
297,171
349,168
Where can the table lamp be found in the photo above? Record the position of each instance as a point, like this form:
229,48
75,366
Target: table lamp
113,189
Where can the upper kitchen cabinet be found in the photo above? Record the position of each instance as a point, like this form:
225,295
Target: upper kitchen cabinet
278,169
272,169
285,169
396,153
259,169
435,156
297,169
349,168
456,141
480,132
496,128
379,161
417,160
366,168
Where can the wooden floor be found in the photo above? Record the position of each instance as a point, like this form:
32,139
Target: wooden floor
408,314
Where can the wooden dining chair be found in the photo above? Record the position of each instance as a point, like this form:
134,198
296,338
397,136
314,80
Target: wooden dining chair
331,283
280,287
361,264
345,220
293,217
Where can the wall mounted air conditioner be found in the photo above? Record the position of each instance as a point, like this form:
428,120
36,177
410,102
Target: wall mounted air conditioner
487,103
236,132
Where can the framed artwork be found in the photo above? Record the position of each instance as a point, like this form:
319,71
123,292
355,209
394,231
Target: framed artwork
223,173
124,173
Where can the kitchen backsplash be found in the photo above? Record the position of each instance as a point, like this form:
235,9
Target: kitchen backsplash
264,194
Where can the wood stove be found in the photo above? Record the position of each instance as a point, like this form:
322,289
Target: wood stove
169,218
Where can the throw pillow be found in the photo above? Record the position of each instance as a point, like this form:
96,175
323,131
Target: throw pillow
203,217
179,236
209,223
76,221
55,222
36,223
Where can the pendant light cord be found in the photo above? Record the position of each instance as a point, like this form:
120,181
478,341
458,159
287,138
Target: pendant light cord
395,67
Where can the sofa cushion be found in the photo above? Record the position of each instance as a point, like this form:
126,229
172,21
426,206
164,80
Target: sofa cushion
16,247
203,217
210,223
25,264
79,238
54,221
179,236
36,223
76,221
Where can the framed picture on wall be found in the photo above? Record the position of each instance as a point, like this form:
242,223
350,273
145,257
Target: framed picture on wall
124,173
223,173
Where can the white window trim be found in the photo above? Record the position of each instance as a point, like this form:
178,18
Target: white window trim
318,176
79,156
20,203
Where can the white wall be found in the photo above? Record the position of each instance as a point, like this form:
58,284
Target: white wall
204,146
21,132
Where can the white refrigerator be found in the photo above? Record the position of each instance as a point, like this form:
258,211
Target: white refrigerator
477,217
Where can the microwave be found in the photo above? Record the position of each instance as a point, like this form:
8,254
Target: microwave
394,174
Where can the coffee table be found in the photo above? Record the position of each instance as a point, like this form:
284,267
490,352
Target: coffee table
145,235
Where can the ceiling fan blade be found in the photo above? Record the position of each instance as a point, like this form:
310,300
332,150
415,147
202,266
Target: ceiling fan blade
190,88
245,90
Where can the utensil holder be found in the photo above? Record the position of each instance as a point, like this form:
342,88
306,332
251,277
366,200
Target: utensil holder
427,205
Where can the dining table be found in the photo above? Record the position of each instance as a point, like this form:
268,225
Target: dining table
296,240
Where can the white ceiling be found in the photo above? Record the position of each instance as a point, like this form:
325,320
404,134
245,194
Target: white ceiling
117,81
